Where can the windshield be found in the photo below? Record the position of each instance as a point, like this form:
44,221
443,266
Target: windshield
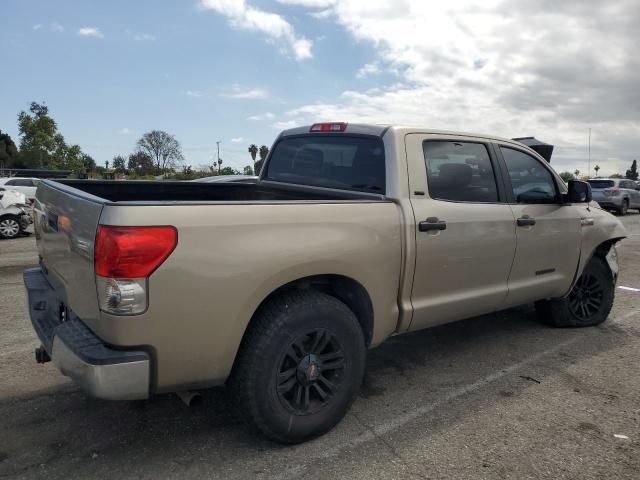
601,183
340,161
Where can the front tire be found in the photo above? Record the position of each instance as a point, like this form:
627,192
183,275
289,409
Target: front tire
589,302
300,366
10,226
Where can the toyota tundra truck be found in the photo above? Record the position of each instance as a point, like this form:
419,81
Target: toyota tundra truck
276,288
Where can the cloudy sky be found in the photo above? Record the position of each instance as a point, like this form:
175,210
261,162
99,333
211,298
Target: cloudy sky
238,71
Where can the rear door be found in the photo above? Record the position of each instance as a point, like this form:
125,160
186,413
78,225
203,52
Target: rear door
464,231
547,231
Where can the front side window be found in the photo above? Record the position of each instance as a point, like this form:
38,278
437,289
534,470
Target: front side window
342,162
459,172
530,180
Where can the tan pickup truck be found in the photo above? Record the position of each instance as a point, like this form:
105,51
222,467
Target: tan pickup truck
352,233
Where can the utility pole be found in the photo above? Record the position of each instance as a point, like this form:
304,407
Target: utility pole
589,165
218,144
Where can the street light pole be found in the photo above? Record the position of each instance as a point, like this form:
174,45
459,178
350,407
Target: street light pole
218,144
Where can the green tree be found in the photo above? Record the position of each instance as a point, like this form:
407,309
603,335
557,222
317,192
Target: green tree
616,175
566,176
8,151
632,173
39,138
89,164
42,146
248,170
119,164
163,148
229,171
140,163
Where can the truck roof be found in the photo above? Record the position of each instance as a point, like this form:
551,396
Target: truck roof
381,129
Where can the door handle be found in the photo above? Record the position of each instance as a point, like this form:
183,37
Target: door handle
526,221
431,224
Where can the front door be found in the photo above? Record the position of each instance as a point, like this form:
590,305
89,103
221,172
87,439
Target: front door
464,232
547,231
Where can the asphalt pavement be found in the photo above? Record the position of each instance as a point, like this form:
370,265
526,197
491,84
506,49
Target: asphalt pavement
498,396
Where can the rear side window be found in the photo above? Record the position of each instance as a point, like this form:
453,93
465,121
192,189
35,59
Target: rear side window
530,180
459,171
599,184
343,162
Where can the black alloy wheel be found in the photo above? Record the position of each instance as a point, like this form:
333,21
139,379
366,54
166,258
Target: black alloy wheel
310,372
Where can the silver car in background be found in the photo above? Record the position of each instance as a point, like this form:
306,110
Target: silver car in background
617,194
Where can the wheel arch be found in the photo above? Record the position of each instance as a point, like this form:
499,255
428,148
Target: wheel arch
349,291
601,250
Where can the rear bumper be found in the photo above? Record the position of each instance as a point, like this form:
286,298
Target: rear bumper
99,369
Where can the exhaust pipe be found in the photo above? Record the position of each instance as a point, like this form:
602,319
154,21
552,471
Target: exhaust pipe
190,398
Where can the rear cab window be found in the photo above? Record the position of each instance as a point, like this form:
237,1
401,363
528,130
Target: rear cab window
331,161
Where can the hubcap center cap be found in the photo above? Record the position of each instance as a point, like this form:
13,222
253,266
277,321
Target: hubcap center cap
309,369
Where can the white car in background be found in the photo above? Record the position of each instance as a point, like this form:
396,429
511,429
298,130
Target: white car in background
14,213
24,185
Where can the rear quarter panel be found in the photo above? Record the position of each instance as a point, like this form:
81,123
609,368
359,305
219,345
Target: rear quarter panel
230,257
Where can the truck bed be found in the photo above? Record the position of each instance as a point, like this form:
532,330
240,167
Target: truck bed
149,191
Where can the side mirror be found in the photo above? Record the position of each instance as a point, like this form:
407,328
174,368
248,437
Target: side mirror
579,192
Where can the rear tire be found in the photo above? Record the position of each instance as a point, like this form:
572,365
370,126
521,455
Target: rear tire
622,211
299,367
10,226
589,302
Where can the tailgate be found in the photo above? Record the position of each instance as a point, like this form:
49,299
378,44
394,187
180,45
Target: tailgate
66,220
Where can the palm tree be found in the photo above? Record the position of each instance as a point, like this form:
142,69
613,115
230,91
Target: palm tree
219,165
596,168
577,173
253,150
264,151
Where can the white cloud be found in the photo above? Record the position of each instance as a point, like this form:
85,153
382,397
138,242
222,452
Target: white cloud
193,93
54,27
90,32
124,131
242,16
238,92
144,37
237,140
260,117
310,3
285,124
368,69
535,68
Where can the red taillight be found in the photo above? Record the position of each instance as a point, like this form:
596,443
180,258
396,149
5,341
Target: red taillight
328,127
132,252
612,192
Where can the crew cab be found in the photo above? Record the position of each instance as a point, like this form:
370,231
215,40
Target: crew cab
277,287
